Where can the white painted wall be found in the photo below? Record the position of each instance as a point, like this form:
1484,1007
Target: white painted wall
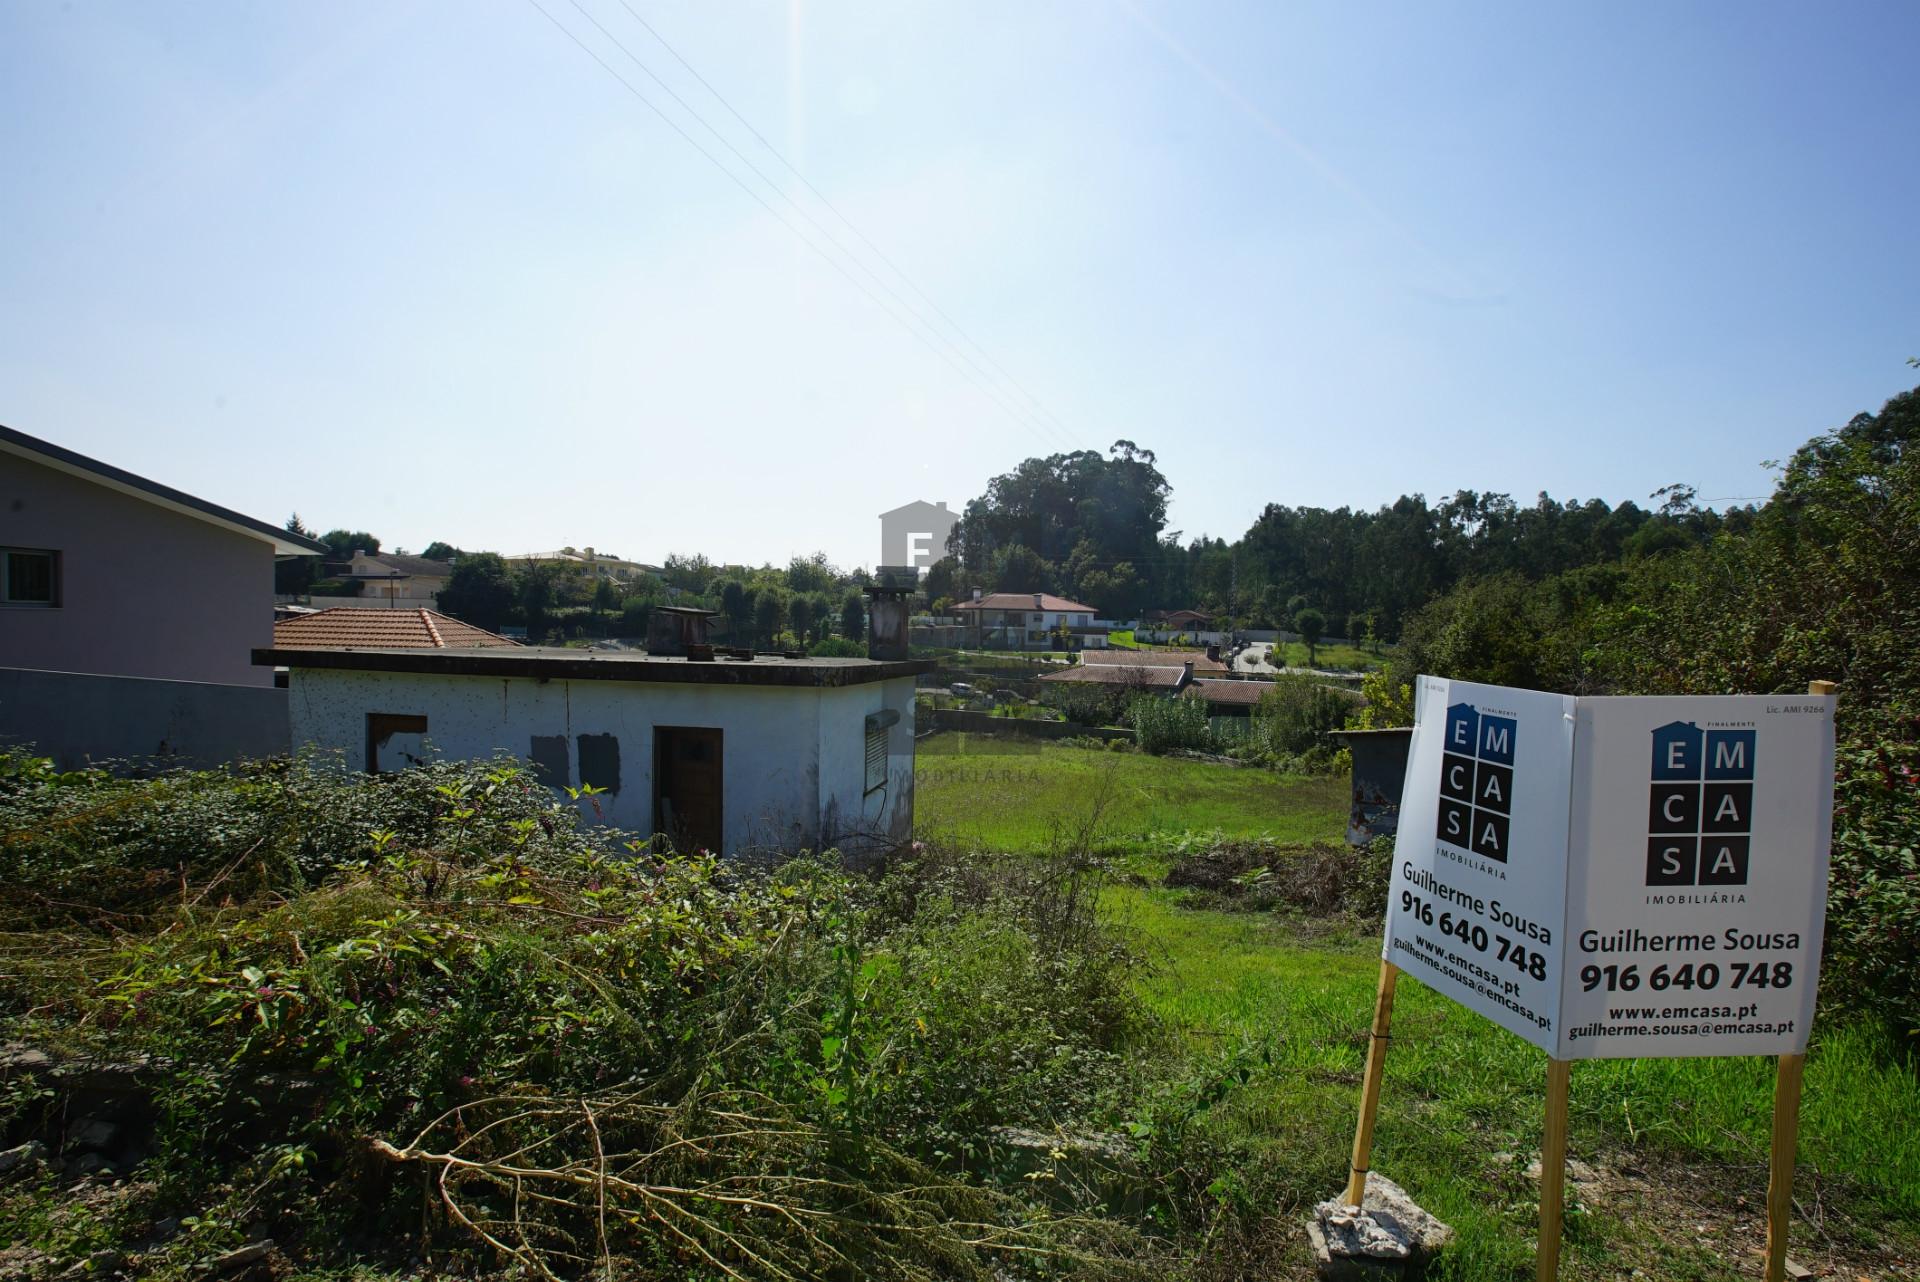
793,757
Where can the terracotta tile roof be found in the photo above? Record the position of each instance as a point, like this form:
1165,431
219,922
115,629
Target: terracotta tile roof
352,627
1154,659
1238,693
1024,601
1142,675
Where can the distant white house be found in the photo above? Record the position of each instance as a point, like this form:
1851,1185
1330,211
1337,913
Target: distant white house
396,578
1021,620
722,754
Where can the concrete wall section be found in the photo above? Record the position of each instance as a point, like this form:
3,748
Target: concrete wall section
80,719
123,566
854,818
792,757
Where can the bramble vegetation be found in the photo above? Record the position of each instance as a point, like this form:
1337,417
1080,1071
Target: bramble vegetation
432,1015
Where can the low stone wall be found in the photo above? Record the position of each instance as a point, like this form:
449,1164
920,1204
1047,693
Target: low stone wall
987,723
80,719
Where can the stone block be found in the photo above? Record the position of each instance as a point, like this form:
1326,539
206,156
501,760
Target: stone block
1388,1237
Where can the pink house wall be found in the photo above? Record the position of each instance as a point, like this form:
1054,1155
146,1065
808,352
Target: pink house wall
145,592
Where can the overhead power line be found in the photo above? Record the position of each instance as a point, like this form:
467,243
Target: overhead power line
821,196
1013,411
782,192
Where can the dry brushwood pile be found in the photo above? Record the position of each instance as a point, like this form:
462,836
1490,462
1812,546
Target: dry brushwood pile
432,1023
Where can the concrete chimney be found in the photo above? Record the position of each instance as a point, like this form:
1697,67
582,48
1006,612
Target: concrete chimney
887,635
1038,597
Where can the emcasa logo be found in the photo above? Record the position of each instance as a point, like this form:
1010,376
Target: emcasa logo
1476,782
1700,808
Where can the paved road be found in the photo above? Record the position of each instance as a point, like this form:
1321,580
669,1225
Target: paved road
1253,658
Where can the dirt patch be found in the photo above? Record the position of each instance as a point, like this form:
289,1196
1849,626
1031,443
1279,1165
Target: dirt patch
1632,1215
1321,878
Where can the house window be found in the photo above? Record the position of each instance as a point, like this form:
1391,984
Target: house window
29,576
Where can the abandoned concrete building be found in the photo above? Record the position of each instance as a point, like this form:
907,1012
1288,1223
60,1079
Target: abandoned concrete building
717,749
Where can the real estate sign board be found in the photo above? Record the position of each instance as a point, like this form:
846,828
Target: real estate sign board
1617,877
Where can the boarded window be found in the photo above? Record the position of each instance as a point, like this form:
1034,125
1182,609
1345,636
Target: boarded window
600,761
549,754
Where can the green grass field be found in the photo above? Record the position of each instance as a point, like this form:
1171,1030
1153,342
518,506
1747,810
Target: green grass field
1026,795
1278,1009
1340,657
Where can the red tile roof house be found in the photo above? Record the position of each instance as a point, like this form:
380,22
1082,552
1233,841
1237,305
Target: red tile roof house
1021,620
102,653
346,627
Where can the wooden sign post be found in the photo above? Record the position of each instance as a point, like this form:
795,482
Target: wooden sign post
1370,1090
1681,848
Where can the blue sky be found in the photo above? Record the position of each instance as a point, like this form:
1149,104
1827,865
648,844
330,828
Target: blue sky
429,270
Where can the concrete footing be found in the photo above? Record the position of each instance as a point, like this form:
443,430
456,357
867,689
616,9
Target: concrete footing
1388,1238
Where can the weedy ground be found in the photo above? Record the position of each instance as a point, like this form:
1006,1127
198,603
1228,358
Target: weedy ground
1261,980
1107,1022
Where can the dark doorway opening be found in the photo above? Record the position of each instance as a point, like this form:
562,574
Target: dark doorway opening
395,741
687,787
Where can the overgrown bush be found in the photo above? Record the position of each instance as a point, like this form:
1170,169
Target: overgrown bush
1299,712
1873,904
1089,703
1162,725
347,979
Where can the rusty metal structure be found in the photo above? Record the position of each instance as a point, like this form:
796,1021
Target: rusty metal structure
679,629
1379,777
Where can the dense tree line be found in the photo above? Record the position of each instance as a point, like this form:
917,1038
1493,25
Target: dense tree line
811,603
1094,529
1821,582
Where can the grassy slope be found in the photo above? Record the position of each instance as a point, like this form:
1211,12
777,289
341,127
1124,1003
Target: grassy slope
1012,794
1690,1134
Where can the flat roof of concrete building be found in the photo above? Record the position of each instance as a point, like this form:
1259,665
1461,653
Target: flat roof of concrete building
552,663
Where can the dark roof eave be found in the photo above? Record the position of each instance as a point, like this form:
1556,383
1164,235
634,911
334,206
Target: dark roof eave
74,463
502,662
